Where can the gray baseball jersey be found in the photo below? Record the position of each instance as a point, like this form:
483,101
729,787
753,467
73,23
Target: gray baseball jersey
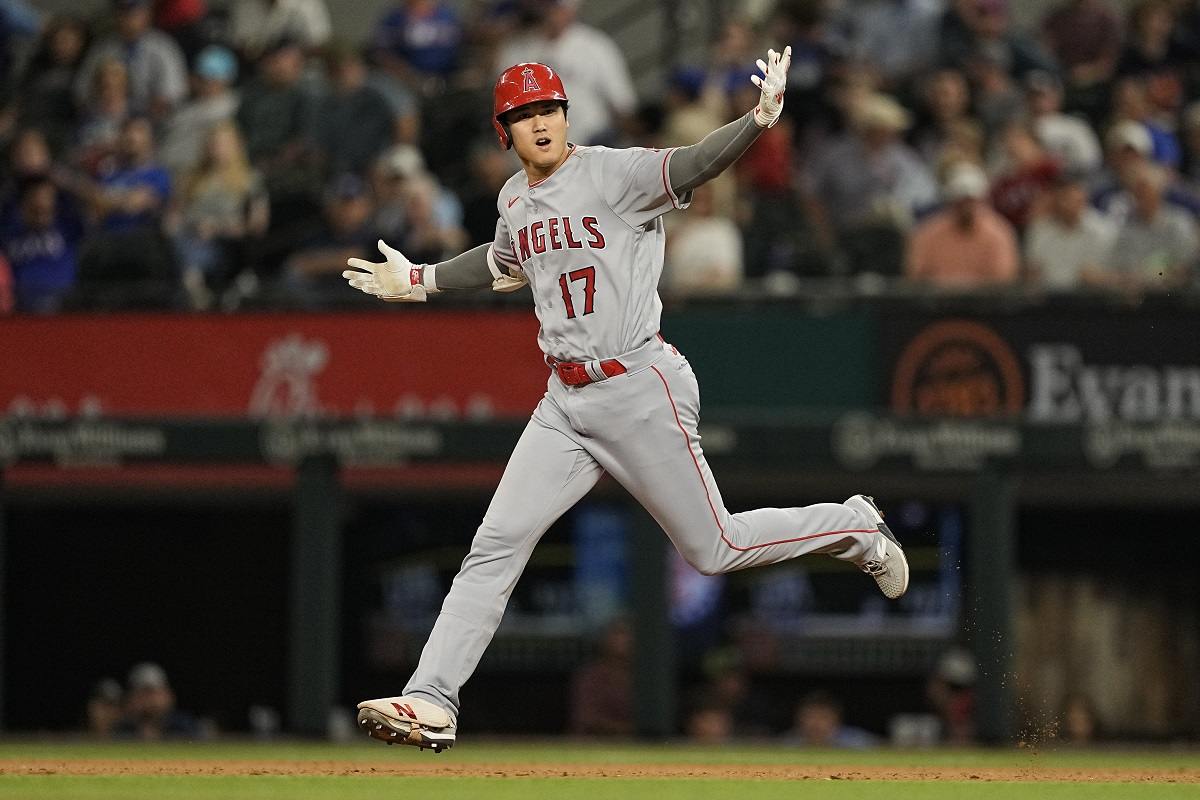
589,238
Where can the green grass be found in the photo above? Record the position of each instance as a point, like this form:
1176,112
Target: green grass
366,754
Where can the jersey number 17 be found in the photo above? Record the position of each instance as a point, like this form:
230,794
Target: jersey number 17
588,276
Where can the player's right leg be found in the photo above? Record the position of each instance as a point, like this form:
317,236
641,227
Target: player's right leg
547,473
655,453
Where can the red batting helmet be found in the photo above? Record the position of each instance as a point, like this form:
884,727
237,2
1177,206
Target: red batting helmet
521,84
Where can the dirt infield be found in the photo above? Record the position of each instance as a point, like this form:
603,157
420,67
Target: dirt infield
444,766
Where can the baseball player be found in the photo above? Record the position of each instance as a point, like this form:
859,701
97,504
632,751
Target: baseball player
583,227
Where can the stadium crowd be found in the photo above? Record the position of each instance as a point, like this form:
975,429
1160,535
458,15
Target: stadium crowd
199,154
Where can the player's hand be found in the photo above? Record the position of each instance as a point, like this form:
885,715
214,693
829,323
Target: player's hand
392,280
772,83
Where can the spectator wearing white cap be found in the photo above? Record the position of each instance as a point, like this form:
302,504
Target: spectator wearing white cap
1069,245
213,101
966,245
1067,137
863,190
1129,147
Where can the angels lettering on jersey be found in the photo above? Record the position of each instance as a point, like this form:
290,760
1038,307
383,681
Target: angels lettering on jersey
558,233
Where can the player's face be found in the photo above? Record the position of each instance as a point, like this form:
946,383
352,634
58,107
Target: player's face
539,133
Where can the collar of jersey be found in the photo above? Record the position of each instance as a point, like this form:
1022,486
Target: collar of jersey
571,148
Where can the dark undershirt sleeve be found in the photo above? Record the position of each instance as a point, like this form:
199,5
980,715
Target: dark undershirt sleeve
701,162
467,270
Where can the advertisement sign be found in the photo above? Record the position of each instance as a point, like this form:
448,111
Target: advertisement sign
1130,379
1055,367
455,365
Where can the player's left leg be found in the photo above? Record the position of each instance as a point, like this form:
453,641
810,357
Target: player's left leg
655,453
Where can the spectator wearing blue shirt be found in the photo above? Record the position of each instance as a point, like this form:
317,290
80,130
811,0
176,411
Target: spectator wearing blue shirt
40,238
129,253
419,39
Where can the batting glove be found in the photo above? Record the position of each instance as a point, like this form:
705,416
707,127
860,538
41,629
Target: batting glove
396,280
772,83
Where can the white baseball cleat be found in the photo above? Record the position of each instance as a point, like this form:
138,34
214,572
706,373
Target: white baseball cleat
890,571
407,720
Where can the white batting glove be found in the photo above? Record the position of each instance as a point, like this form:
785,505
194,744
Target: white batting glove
772,84
396,280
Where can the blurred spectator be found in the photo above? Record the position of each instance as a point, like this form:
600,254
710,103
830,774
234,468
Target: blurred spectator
818,56
1069,139
1130,102
1085,37
1129,147
1156,246
150,712
417,40
155,64
1071,243
104,708
951,692
184,20
256,25
214,101
275,114
998,100
862,192
223,208
353,123
316,265
128,260
602,689
1079,722
1019,190
429,236
704,252
732,55
728,689
18,20
709,723
40,239
1153,54
972,28
899,38
396,174
947,99
107,110
592,68
29,158
967,245
818,723
769,206
45,98
491,167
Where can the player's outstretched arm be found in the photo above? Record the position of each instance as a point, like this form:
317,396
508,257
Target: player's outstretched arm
399,280
701,162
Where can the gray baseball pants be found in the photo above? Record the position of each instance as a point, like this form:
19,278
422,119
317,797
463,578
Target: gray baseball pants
640,427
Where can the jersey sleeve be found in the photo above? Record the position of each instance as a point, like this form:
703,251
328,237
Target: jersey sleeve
504,251
634,182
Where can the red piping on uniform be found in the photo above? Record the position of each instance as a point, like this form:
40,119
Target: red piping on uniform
670,194
716,519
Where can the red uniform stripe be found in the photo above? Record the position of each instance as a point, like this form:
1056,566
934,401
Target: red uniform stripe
716,518
666,184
